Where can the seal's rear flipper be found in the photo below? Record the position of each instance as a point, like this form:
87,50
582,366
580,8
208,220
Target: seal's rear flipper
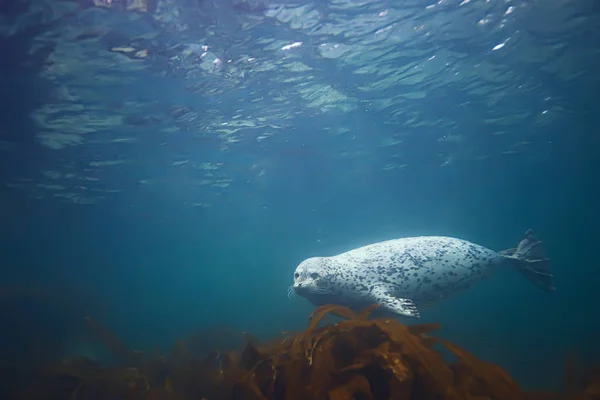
540,279
533,263
400,306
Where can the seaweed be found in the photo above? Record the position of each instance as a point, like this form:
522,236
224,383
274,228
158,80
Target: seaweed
355,358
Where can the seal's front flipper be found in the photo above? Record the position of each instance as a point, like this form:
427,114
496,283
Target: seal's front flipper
386,300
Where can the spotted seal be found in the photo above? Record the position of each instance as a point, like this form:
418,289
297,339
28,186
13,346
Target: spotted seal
403,273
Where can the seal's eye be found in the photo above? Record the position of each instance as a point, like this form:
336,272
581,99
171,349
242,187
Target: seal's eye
296,275
314,275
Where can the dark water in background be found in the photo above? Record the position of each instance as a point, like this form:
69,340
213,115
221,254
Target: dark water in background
154,268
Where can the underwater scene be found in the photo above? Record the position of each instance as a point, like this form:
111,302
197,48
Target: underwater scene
299,199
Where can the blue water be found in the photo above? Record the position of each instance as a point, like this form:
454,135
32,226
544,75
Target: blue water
161,222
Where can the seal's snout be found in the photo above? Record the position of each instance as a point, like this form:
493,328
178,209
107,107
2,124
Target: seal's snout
300,289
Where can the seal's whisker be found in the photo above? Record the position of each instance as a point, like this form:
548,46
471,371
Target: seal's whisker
291,292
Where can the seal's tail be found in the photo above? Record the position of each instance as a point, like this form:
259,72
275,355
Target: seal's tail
533,263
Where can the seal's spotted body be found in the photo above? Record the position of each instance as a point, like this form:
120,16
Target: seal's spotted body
402,273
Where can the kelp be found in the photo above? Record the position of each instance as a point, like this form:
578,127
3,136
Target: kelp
355,358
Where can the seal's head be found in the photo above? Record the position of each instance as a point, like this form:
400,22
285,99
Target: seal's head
311,280
321,280
308,276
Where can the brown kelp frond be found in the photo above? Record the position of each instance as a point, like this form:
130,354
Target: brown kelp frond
111,341
321,312
356,358
481,376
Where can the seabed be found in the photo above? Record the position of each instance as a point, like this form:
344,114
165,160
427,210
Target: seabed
358,358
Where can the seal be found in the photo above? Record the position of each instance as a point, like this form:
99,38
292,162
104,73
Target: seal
402,274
